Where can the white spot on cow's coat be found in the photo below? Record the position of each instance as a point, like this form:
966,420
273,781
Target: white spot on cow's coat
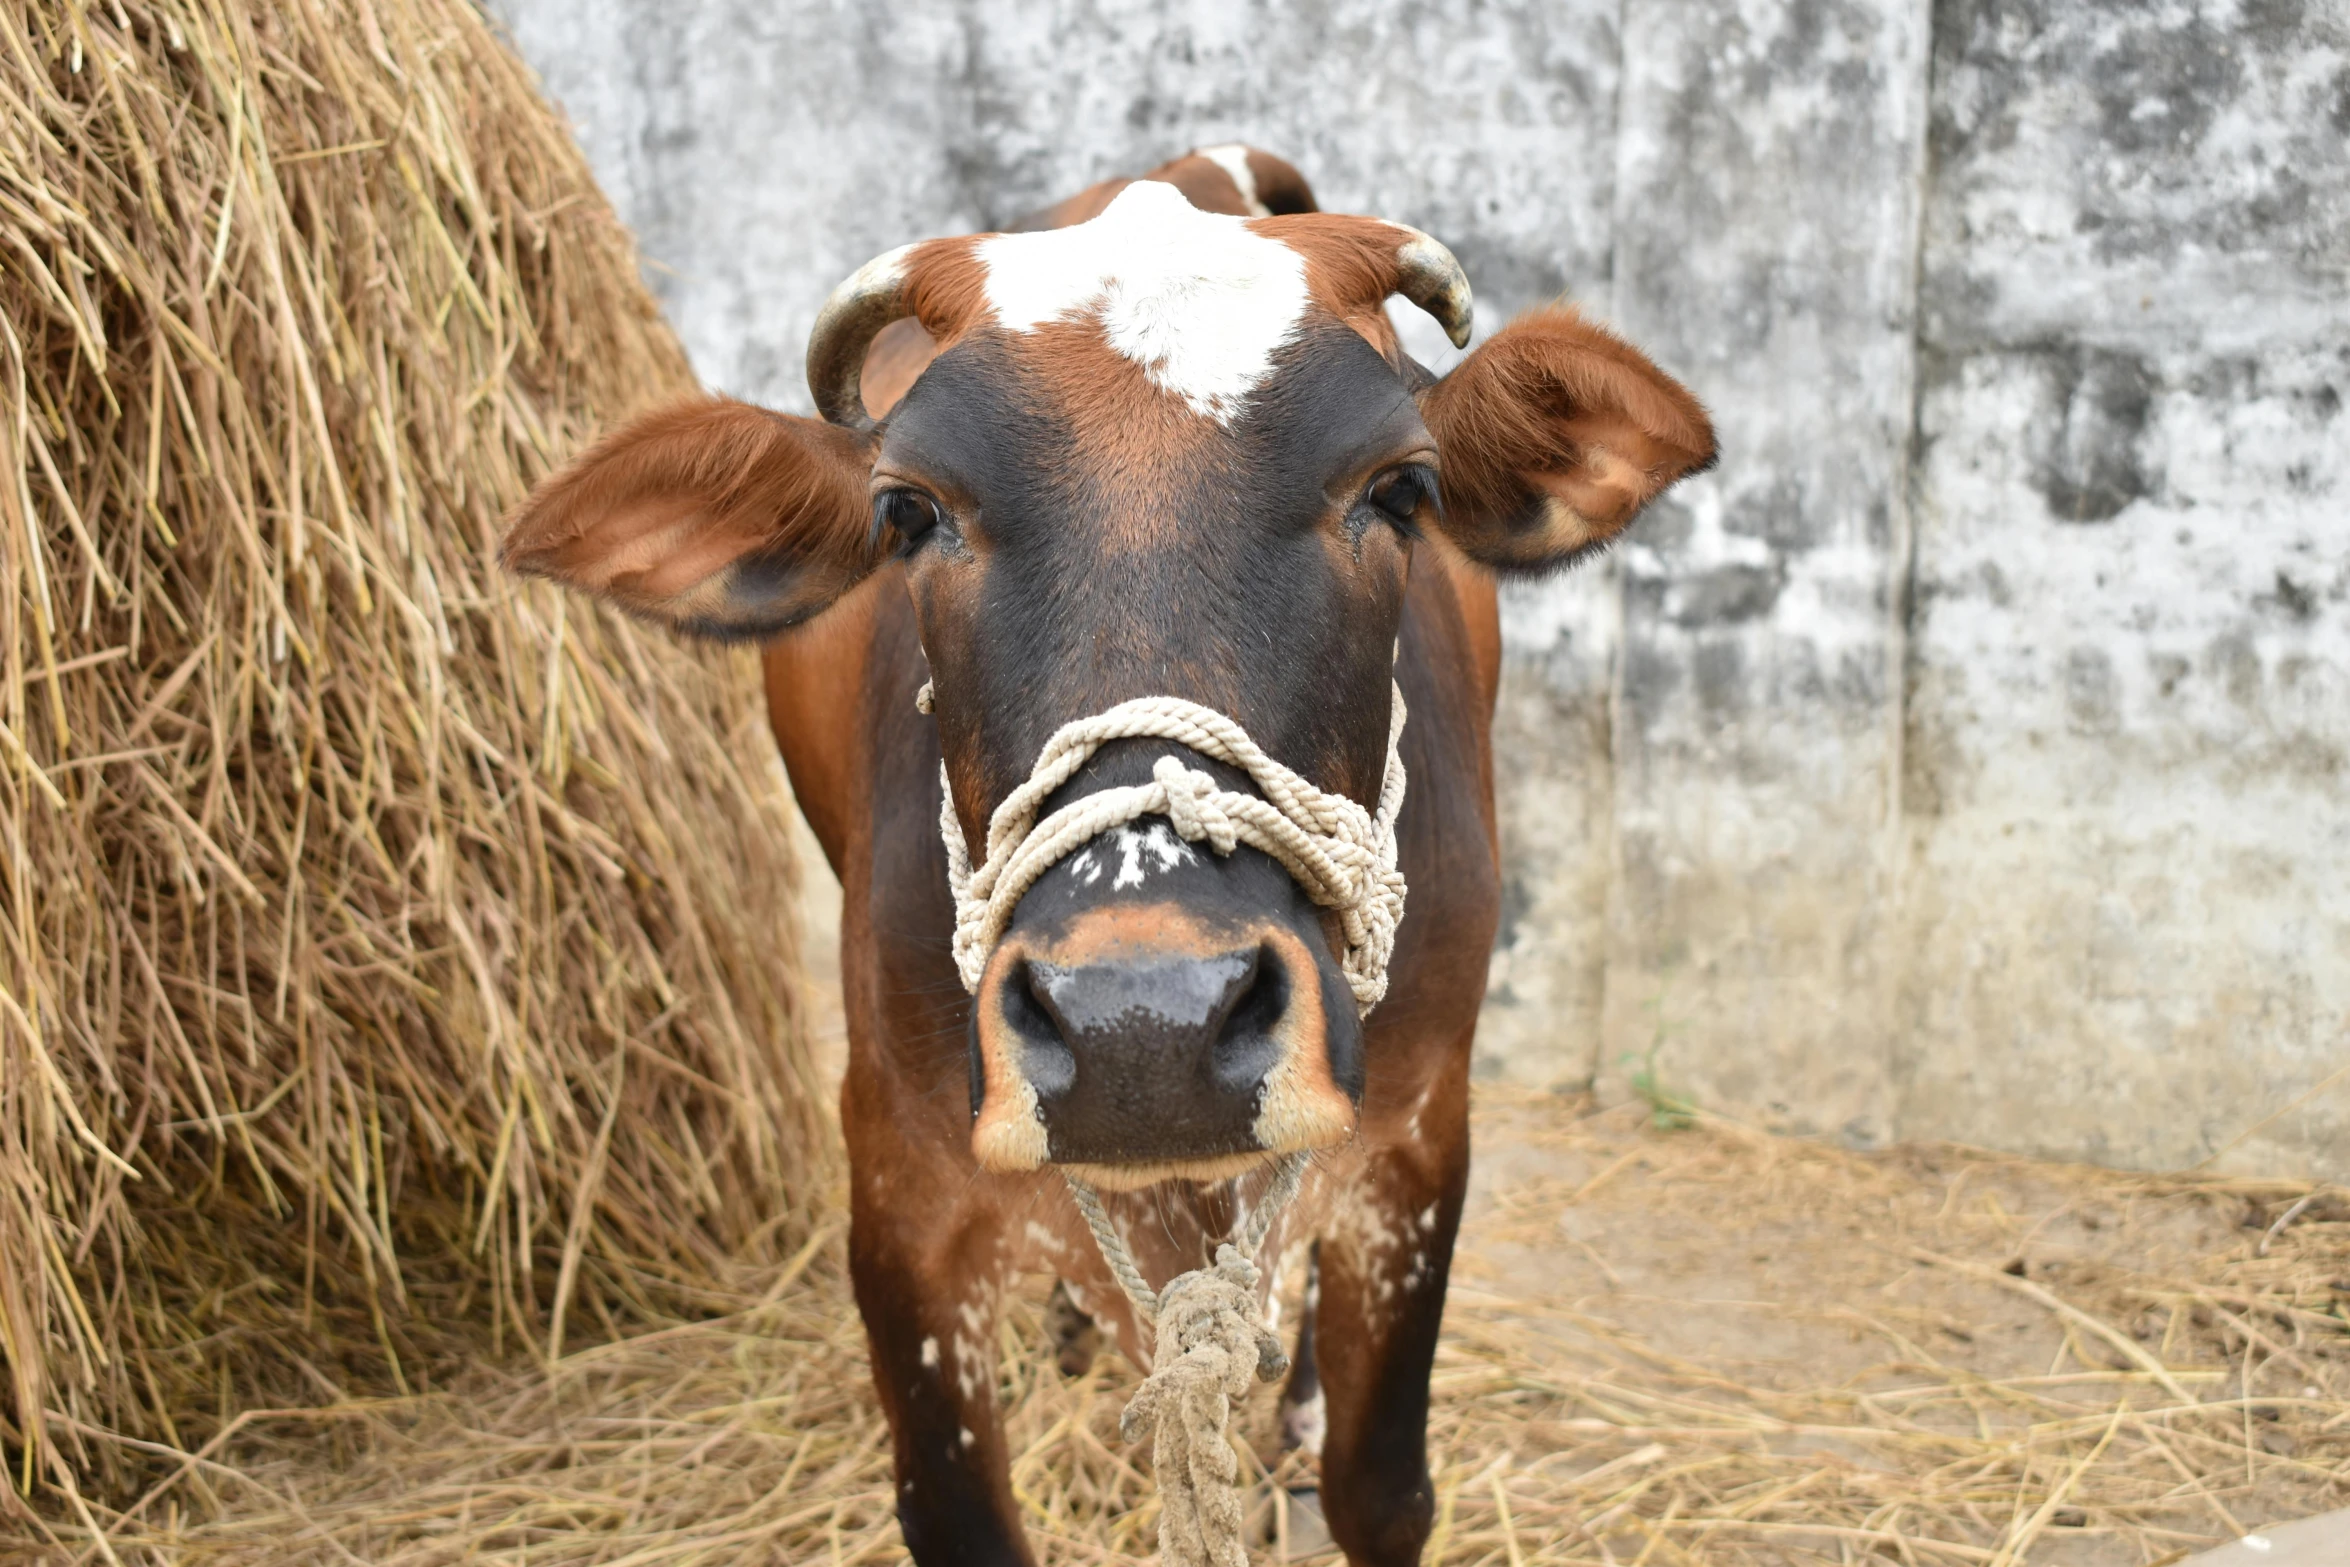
1085,868
1197,299
968,1366
1232,158
1304,1425
1158,842
930,1353
969,1441
972,1362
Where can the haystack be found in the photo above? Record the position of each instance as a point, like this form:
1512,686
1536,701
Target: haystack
383,949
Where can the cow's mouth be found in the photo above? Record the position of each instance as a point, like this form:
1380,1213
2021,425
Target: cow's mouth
1199,1172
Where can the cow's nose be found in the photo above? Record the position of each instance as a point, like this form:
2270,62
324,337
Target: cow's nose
1153,1060
1148,1059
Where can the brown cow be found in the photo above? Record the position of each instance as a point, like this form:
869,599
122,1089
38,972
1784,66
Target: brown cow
1174,448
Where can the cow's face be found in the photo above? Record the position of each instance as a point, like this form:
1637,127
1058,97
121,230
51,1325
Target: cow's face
1162,452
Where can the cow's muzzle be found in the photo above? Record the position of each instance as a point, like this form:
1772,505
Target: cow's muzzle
1137,1043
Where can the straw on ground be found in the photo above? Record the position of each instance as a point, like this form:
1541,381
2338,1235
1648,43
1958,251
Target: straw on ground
1696,1347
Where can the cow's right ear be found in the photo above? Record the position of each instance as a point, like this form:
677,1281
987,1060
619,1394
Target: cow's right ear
1552,435
712,518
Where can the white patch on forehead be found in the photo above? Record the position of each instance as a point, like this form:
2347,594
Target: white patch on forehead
1232,158
1195,298
1155,844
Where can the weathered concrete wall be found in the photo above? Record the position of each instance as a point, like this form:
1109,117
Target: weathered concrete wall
1964,757
2126,872
1765,249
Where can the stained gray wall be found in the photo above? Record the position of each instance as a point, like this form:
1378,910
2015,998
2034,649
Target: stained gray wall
1965,756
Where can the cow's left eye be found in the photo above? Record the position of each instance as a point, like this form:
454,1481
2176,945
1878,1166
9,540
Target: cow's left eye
909,513
1400,492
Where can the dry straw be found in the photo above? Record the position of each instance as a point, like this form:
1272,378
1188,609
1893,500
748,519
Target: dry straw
380,949
1663,1349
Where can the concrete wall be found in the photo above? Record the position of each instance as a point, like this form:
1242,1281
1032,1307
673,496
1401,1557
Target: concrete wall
1965,756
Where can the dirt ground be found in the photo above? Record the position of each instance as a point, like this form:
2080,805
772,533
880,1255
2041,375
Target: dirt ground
2042,1362
1667,1343
1663,1346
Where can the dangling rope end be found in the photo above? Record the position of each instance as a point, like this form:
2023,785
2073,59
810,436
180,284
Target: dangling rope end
1208,1343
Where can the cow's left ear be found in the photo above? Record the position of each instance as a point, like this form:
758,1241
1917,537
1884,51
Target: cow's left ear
710,517
1553,435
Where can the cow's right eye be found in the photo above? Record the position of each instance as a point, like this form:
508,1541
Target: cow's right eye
909,514
1400,492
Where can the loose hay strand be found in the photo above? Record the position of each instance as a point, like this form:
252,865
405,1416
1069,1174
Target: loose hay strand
381,948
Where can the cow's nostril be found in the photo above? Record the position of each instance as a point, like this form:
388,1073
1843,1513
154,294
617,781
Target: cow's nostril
1034,1020
1246,1047
1142,1053
1138,1055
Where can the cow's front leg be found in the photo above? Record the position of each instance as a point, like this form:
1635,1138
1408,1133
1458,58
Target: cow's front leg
1381,1269
929,1279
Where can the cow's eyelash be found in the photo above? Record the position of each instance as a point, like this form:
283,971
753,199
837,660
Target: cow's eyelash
1397,494
908,513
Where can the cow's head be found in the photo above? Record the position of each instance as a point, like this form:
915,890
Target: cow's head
1161,452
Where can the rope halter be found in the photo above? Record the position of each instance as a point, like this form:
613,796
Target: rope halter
1342,855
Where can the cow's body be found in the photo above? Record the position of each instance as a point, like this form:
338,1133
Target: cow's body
935,1238
1113,509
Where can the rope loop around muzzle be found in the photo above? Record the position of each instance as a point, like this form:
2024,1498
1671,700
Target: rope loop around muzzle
1342,855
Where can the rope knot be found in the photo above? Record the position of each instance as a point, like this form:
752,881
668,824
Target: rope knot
1210,1347
1207,1345
1342,855
1193,806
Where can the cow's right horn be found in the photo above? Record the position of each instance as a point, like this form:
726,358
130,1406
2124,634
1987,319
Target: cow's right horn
873,297
1428,275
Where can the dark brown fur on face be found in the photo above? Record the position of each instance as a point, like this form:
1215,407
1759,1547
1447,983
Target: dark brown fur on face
724,520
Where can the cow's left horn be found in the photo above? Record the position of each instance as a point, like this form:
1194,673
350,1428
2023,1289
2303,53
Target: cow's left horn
873,297
1428,276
